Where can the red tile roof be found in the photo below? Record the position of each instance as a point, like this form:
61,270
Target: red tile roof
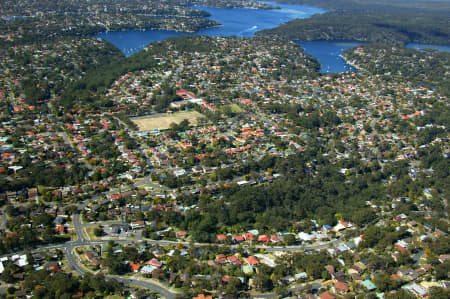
327,295
135,267
252,260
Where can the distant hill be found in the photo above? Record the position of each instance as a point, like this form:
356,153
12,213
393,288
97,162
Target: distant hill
394,22
431,5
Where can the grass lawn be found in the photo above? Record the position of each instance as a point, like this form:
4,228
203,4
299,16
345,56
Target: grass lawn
234,108
90,232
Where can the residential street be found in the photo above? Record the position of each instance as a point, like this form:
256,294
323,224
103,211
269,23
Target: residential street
69,247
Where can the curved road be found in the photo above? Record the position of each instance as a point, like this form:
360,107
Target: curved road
73,262
70,246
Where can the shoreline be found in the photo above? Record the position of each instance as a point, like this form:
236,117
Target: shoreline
349,62
220,18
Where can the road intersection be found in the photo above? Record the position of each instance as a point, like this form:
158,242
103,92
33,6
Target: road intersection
83,240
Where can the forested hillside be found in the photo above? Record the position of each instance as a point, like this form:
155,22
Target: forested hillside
369,21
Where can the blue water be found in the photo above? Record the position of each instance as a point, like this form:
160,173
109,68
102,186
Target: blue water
236,22
328,54
245,22
417,46
14,18
130,42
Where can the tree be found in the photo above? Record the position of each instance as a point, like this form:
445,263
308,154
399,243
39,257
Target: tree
262,282
282,291
400,294
384,283
442,270
9,270
233,287
98,231
49,235
11,290
439,293
109,249
290,239
10,210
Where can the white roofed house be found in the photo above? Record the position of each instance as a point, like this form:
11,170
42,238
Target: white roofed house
301,275
416,289
338,227
20,260
305,237
148,269
137,224
179,172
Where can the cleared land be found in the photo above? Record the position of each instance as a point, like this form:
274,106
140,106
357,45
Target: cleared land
163,121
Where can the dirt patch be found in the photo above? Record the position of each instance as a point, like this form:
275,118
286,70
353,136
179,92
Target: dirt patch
163,121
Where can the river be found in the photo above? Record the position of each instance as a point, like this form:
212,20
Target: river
236,22
328,53
244,23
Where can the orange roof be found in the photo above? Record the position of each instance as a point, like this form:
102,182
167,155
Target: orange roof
59,228
221,258
135,267
263,238
327,295
341,286
238,238
252,260
232,258
221,237
248,236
